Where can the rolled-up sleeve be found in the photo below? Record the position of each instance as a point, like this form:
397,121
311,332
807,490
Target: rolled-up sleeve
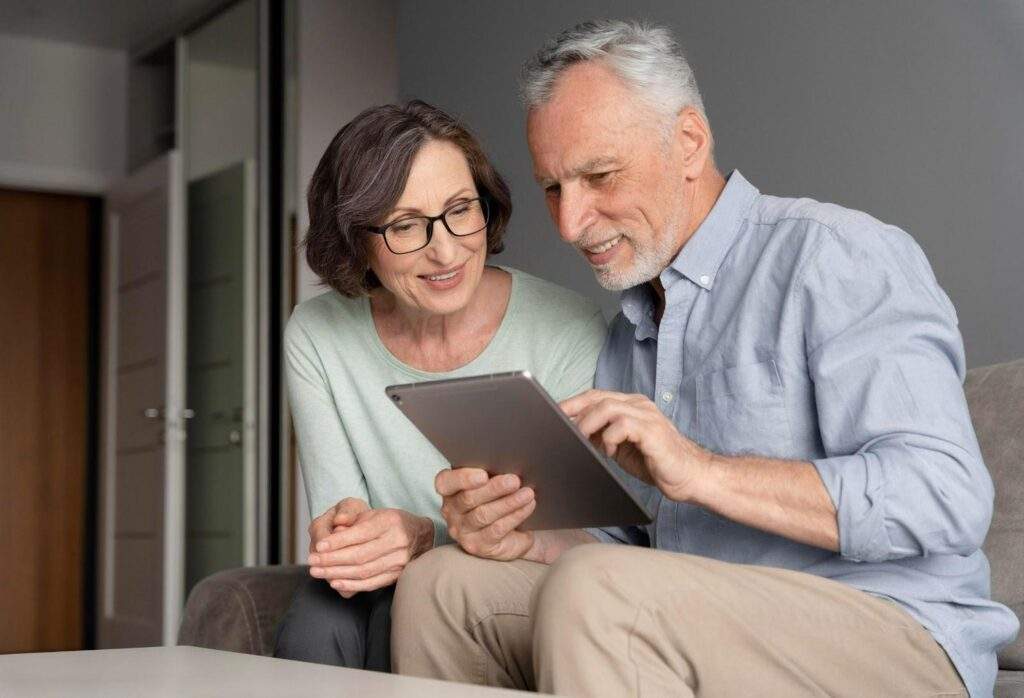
902,463
622,535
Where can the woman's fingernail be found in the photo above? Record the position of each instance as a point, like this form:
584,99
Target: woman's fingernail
478,477
321,546
316,571
313,560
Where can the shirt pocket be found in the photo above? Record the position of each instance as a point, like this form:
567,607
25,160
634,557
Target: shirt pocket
742,410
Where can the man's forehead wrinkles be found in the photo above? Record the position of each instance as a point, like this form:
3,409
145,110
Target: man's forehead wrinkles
573,169
569,140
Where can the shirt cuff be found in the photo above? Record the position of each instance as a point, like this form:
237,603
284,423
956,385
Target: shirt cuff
630,535
856,484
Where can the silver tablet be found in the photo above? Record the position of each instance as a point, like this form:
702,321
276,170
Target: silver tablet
507,423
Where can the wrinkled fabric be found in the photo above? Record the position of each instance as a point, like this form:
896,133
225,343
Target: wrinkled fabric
801,330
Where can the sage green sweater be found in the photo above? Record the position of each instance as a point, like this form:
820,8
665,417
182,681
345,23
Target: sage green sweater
353,442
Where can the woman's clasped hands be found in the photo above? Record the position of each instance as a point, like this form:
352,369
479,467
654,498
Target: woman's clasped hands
356,548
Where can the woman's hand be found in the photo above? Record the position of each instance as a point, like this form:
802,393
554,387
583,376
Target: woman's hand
342,513
483,512
367,548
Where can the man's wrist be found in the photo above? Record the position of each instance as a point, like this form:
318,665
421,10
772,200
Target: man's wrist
549,545
537,552
705,484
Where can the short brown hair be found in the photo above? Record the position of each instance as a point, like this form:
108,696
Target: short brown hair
361,176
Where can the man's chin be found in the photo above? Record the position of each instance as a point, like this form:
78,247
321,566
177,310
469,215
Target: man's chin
616,280
641,268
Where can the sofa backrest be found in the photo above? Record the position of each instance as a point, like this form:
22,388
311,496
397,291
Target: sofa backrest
995,395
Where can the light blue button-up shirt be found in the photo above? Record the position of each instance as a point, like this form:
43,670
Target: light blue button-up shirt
796,329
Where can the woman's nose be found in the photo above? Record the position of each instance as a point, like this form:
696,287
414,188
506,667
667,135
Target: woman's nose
443,245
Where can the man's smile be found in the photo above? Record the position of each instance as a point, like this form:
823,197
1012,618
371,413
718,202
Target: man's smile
602,253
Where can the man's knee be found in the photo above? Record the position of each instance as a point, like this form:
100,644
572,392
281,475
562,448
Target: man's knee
435,587
422,579
439,595
594,581
581,582
430,565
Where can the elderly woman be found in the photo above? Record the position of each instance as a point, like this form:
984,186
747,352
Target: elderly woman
405,211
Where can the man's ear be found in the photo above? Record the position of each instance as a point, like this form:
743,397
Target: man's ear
693,137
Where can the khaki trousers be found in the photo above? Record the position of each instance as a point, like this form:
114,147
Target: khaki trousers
613,620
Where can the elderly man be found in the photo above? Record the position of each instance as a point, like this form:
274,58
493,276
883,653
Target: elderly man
785,384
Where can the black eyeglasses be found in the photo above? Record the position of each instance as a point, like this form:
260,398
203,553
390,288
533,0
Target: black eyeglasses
415,232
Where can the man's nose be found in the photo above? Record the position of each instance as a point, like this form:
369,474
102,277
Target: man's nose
575,213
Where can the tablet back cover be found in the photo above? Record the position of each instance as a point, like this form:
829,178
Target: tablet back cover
507,423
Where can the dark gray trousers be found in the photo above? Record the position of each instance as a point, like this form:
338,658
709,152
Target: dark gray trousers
323,627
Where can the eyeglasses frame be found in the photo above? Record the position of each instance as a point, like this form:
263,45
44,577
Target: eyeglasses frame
381,229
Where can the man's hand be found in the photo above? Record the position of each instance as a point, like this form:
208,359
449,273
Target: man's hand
642,440
483,512
783,497
366,549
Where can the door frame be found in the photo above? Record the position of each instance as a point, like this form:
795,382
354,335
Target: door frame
169,167
253,521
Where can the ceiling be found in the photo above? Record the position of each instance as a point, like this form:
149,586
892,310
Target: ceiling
114,24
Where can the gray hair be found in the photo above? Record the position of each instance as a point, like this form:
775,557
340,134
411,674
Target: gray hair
644,56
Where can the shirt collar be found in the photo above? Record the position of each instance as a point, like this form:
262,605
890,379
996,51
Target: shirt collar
638,307
703,254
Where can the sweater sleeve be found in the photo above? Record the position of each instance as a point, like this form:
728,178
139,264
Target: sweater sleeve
583,342
329,467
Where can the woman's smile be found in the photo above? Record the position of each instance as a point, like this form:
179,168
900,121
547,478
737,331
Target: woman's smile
444,279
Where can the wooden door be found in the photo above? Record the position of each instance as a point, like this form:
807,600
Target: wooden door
45,269
141,528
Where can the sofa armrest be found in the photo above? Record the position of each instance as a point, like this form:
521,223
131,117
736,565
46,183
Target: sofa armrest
239,610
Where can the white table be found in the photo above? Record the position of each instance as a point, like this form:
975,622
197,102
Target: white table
181,672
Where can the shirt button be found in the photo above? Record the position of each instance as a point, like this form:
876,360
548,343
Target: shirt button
705,279
666,396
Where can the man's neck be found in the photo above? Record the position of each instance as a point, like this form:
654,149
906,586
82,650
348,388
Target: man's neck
706,192
659,299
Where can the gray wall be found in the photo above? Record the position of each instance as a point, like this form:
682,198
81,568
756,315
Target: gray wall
912,111
62,115
345,59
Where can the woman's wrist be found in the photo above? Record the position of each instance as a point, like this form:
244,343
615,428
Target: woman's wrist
424,540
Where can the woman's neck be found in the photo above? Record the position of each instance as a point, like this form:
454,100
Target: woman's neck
442,342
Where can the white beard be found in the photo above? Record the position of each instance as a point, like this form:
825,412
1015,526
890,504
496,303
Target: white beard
648,262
